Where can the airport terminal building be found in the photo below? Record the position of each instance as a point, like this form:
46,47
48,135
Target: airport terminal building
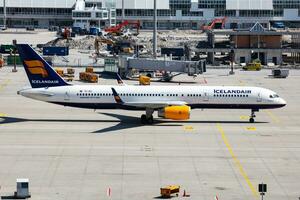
183,14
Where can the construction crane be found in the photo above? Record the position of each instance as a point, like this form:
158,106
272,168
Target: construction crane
115,46
99,41
218,23
117,30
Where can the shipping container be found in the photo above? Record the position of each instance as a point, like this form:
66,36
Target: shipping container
11,60
88,77
94,31
56,51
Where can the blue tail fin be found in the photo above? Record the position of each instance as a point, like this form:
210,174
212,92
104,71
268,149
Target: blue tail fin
39,72
119,80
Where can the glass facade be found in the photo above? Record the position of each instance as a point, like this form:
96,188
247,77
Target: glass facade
38,11
220,8
183,5
110,4
181,13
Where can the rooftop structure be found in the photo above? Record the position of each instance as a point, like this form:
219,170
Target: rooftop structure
184,14
260,43
91,13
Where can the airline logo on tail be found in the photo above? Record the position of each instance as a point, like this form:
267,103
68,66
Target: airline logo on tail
36,67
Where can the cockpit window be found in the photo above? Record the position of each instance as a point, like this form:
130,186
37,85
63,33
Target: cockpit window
273,96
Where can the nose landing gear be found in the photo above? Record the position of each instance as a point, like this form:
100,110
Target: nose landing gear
252,116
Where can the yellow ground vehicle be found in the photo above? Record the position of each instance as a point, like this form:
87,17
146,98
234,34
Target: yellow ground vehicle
166,192
69,76
254,66
144,80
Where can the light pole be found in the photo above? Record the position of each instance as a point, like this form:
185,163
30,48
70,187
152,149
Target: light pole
155,30
123,10
4,12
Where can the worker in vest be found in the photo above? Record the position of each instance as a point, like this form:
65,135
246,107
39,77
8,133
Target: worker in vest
1,61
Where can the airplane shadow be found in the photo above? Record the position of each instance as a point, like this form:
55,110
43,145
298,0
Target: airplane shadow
123,122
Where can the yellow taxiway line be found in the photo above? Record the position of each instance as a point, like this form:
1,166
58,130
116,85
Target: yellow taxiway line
237,162
272,116
3,85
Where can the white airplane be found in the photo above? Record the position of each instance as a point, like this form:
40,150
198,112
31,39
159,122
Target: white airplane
171,102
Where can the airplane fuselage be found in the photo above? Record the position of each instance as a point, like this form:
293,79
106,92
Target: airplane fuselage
201,97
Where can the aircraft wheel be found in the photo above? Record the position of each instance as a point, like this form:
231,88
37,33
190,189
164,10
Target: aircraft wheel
251,120
144,119
150,120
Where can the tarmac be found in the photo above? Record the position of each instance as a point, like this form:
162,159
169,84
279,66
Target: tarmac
72,154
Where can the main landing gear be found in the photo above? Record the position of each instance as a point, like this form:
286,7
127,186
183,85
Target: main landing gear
252,116
148,117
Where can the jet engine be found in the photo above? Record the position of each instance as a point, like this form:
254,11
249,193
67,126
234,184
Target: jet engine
175,112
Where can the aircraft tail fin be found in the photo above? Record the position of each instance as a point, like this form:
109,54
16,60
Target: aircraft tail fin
39,72
119,80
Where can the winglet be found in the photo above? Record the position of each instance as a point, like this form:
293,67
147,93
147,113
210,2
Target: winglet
116,96
119,80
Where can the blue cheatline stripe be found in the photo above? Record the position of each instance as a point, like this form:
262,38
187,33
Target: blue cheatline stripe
193,106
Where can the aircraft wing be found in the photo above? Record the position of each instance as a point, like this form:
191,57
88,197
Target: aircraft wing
155,104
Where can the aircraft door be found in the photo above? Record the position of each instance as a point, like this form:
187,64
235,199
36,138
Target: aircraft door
67,96
205,95
259,97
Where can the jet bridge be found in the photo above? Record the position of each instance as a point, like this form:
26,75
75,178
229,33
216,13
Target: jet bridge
191,68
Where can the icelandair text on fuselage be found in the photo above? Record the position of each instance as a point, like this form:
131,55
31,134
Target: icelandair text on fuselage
232,91
44,81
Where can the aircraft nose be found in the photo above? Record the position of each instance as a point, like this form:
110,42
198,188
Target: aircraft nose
282,102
